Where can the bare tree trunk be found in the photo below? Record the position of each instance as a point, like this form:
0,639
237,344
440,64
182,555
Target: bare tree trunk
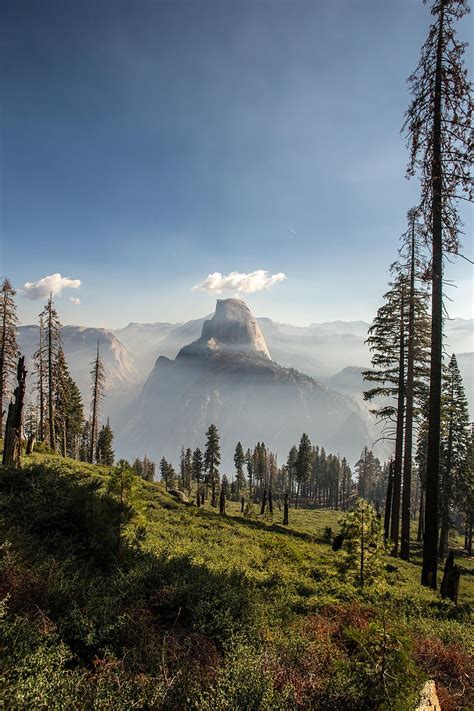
14,424
388,502
397,469
407,459
285,513
421,517
52,434
222,501
2,362
270,502
446,481
95,399
41,380
30,444
450,583
264,502
430,545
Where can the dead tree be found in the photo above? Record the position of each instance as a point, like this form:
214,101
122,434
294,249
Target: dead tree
285,512
450,583
12,446
264,502
270,502
222,501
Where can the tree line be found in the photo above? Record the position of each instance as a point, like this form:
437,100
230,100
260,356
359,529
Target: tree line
309,474
55,417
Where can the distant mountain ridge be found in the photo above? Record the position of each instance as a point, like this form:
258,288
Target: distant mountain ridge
226,376
326,351
123,379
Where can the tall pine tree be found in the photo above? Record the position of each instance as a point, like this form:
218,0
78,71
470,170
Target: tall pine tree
439,130
212,459
455,444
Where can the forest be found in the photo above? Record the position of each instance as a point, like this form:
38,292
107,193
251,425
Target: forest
309,583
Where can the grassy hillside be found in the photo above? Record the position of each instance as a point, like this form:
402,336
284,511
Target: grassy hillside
189,609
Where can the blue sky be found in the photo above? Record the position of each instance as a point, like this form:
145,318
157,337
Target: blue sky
147,144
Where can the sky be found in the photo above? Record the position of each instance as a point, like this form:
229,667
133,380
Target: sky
156,156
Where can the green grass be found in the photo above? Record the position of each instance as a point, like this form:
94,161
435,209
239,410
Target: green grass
206,611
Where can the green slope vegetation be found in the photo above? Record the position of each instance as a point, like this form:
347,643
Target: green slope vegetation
155,604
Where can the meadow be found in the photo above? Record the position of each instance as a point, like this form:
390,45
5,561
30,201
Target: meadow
161,605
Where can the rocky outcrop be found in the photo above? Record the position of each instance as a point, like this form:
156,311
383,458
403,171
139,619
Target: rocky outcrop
232,328
429,699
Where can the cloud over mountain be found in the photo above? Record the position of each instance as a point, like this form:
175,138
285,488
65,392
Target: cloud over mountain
52,284
239,282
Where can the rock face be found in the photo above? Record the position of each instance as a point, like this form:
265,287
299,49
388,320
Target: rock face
227,377
80,345
232,328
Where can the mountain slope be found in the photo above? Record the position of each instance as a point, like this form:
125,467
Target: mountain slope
227,377
80,343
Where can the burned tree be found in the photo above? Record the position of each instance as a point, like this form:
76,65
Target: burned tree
8,345
13,428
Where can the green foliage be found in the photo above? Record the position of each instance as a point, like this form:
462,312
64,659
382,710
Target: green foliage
380,669
199,609
363,541
104,450
245,683
304,461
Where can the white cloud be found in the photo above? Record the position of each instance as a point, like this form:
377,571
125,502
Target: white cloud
239,282
52,284
73,300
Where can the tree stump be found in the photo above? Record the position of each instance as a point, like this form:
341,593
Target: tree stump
450,583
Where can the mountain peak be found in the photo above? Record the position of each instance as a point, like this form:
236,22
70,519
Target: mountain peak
232,327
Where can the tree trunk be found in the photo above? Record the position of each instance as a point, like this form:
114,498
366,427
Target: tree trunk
421,517
14,424
30,444
407,459
285,512
2,362
446,483
242,505
41,381
222,501
94,409
397,469
264,502
450,583
52,435
270,502
388,502
430,544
